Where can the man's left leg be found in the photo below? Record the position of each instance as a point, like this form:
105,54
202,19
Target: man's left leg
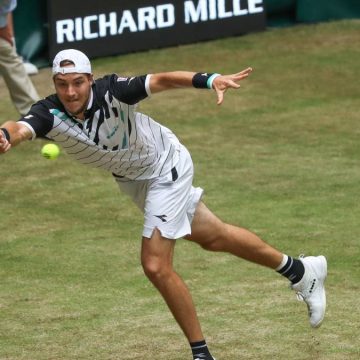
307,274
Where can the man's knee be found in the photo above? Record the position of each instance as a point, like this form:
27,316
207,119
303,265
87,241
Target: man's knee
215,241
150,267
155,268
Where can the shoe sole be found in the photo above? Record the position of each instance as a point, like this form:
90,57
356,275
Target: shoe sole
323,278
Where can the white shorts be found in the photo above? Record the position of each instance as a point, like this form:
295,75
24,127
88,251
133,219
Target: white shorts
168,202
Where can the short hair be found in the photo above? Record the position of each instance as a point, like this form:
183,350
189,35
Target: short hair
66,63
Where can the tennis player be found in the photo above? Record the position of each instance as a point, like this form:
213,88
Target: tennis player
96,123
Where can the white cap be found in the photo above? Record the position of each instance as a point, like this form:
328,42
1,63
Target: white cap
80,60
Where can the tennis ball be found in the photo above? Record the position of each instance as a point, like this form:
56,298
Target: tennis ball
50,151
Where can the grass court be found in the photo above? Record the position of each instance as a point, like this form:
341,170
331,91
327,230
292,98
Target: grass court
281,157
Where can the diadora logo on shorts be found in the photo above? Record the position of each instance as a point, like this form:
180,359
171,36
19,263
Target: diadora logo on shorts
161,217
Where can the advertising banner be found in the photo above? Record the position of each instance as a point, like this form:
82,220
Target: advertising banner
101,28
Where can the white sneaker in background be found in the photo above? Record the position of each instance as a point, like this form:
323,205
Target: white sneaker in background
30,68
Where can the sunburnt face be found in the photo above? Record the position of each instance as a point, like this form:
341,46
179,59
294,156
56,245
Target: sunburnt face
73,90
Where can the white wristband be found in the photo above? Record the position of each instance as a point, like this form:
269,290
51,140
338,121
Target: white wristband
211,80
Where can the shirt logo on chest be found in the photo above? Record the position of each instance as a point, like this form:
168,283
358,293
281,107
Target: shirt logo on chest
112,132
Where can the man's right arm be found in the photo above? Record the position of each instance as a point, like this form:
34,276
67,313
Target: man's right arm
13,133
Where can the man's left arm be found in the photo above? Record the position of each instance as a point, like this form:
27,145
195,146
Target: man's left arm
181,79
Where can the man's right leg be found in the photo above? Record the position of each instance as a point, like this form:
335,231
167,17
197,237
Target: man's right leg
156,258
157,261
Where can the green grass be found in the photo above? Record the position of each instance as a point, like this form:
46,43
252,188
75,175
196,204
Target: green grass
280,157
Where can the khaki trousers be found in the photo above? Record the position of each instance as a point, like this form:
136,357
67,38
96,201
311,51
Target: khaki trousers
22,91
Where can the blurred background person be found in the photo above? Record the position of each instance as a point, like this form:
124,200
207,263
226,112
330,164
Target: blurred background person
22,91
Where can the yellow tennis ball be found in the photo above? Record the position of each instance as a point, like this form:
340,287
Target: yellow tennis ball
50,151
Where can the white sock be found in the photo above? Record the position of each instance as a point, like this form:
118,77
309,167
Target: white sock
283,262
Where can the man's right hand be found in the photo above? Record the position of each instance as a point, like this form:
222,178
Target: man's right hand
4,143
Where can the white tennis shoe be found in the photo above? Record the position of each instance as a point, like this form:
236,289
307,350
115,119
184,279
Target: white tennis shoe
310,288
